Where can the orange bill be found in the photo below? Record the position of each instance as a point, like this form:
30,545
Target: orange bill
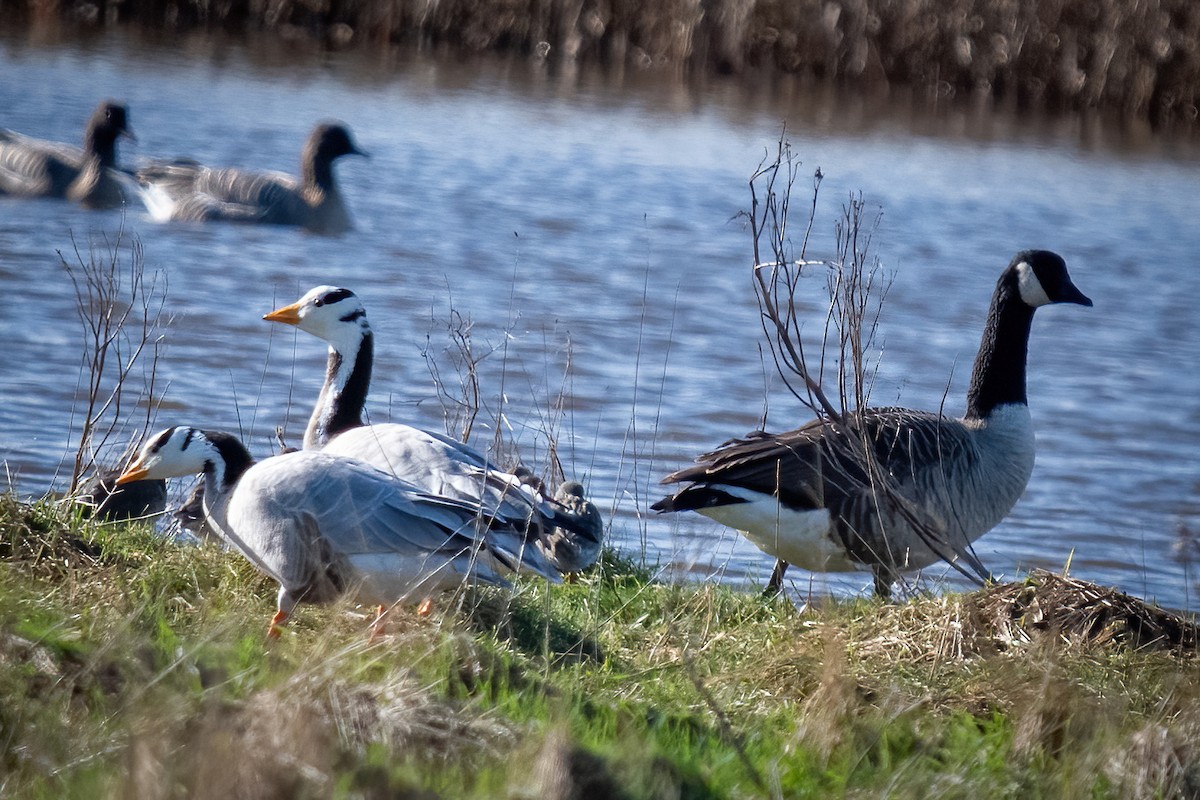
135,473
287,314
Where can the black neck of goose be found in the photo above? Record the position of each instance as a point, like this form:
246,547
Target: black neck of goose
317,170
102,143
235,460
999,374
341,407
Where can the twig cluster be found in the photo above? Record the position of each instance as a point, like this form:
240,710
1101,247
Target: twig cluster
460,408
123,315
456,366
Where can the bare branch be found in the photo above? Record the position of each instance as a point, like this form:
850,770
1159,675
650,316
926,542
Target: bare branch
122,314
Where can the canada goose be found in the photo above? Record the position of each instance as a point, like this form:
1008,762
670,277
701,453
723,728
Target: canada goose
571,531
37,168
323,526
799,497
187,191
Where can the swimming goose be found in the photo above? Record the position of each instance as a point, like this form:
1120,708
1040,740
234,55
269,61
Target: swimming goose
187,191
570,530
32,167
323,526
803,497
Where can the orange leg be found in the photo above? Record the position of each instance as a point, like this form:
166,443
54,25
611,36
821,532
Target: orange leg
276,621
426,607
377,624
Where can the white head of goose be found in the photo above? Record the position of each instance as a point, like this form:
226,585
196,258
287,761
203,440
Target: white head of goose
323,526
186,191
32,167
569,528
798,497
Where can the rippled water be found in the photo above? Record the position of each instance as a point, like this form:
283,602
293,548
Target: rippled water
588,232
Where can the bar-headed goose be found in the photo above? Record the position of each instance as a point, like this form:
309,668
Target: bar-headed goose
187,191
32,167
568,528
803,497
324,526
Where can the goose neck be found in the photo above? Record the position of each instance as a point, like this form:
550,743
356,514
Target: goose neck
228,461
317,173
102,144
998,377
344,396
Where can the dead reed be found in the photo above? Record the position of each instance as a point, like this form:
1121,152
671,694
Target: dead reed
1134,59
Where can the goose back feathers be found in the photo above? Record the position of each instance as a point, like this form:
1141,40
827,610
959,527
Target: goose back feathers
809,496
32,167
185,190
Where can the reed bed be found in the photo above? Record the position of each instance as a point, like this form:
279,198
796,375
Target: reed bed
1134,58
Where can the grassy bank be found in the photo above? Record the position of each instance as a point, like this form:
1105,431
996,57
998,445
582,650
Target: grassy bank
133,667
1136,59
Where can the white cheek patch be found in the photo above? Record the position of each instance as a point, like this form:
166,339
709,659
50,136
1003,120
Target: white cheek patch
1030,287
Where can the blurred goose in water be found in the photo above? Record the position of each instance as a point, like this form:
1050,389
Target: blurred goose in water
805,497
37,168
323,526
568,528
187,191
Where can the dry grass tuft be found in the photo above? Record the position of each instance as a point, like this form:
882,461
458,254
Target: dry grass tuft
1014,616
296,739
33,536
1078,611
827,715
1157,761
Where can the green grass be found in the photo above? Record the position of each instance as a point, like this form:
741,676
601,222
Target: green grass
133,667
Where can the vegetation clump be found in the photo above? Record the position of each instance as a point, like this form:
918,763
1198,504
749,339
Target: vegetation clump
1078,610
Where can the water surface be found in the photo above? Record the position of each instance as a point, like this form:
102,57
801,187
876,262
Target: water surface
587,230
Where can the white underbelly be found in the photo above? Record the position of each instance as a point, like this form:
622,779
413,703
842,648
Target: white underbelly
798,537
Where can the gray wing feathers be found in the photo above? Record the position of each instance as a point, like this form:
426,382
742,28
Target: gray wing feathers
567,536
200,193
357,508
32,167
442,466
301,502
